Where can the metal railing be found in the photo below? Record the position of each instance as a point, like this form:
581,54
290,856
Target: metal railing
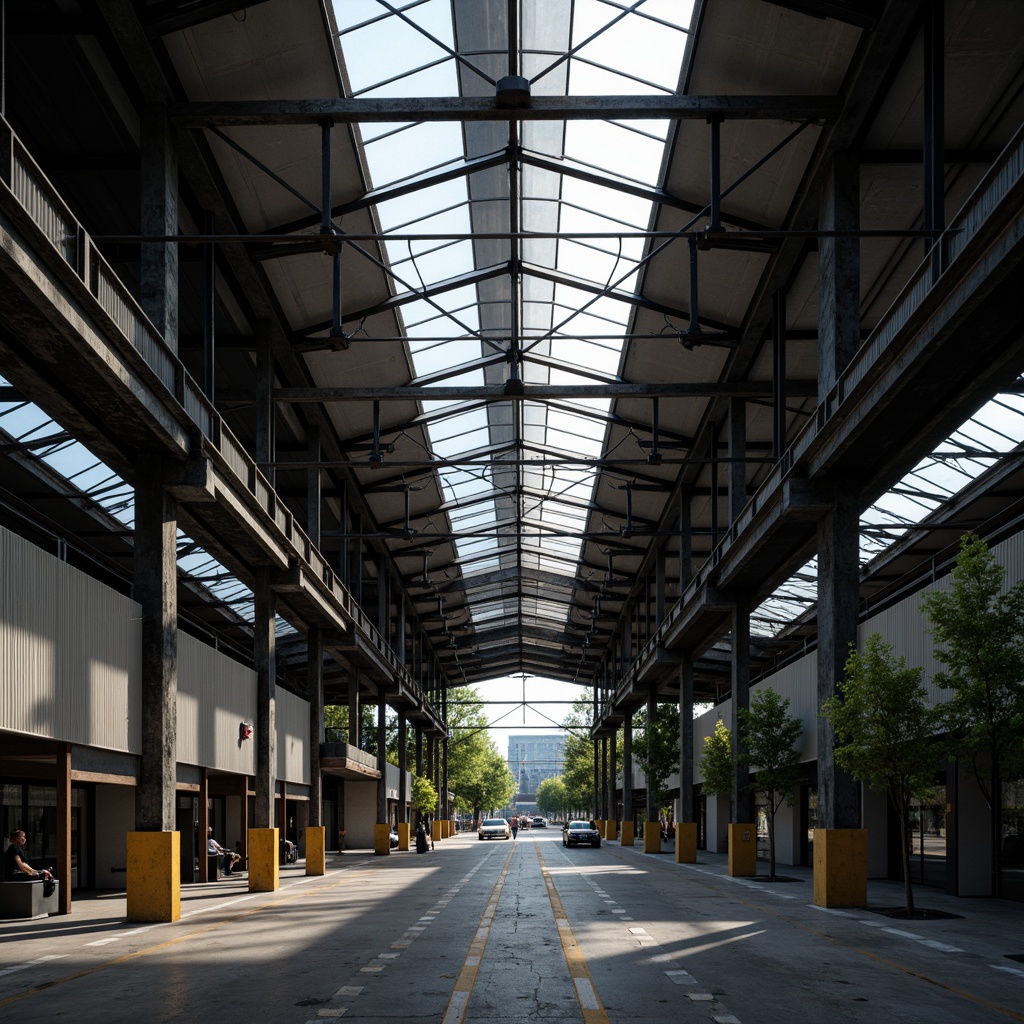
122,314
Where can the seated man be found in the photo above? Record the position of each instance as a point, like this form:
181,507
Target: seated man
214,849
16,867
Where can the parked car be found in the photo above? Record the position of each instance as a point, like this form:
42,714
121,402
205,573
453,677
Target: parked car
394,839
494,828
575,833
540,823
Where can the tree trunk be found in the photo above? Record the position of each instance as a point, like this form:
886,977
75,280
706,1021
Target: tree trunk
997,827
908,889
771,842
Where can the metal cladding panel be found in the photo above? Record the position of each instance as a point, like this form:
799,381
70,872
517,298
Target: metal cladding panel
215,695
70,652
798,683
292,717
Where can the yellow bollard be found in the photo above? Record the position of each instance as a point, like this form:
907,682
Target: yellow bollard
686,842
381,840
264,872
652,837
840,867
403,835
154,877
435,831
316,850
743,850
628,836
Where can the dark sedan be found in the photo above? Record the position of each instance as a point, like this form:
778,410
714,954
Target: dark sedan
578,832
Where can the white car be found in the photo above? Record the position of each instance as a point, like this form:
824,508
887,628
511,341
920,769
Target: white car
494,828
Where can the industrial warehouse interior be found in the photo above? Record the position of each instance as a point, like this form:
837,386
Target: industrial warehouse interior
382,380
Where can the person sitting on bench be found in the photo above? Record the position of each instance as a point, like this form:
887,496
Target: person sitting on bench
16,868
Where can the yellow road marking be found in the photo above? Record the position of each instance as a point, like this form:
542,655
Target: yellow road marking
466,981
590,1003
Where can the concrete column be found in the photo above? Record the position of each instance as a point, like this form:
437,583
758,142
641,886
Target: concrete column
838,594
265,441
659,589
742,798
652,796
62,782
613,804
353,708
627,769
685,545
403,792
382,760
838,271
445,809
419,750
315,692
155,589
158,276
737,455
686,754
313,487
264,656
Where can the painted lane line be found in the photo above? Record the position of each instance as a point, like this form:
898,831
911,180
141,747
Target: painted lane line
32,963
466,981
700,997
942,947
1009,970
347,990
726,1019
586,995
681,977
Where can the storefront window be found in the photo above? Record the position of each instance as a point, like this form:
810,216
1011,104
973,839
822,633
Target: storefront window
927,827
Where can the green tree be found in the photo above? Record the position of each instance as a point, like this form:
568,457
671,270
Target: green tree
578,766
424,795
718,764
551,797
979,632
656,749
492,785
768,736
883,733
472,755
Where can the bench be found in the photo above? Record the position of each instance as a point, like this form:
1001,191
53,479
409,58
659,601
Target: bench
26,899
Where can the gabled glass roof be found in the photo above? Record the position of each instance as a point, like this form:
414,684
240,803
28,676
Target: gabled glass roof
525,509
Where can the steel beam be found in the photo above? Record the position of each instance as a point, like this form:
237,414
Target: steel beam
821,109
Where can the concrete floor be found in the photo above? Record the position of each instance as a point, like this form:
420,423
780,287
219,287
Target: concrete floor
517,931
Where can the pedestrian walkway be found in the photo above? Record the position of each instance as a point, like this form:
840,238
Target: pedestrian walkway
518,931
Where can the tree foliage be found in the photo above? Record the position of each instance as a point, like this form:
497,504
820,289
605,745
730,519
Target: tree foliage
551,797
656,748
883,730
979,631
424,795
768,735
478,776
578,767
717,763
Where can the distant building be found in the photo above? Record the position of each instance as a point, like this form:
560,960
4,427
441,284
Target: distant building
532,759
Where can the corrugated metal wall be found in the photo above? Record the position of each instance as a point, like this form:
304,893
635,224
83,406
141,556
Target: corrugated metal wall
292,737
69,652
70,670
215,694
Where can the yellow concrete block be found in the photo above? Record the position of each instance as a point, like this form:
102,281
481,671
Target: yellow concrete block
381,840
403,835
611,829
264,873
154,876
435,831
686,842
316,850
451,827
743,850
840,867
599,822
652,837
628,833
446,828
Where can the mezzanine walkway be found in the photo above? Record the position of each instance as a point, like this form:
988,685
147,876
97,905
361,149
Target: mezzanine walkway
518,931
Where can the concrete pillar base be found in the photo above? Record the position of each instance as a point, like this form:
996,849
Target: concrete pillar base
435,831
599,822
154,876
611,830
316,850
403,835
264,870
686,842
840,867
652,837
628,833
381,839
743,850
